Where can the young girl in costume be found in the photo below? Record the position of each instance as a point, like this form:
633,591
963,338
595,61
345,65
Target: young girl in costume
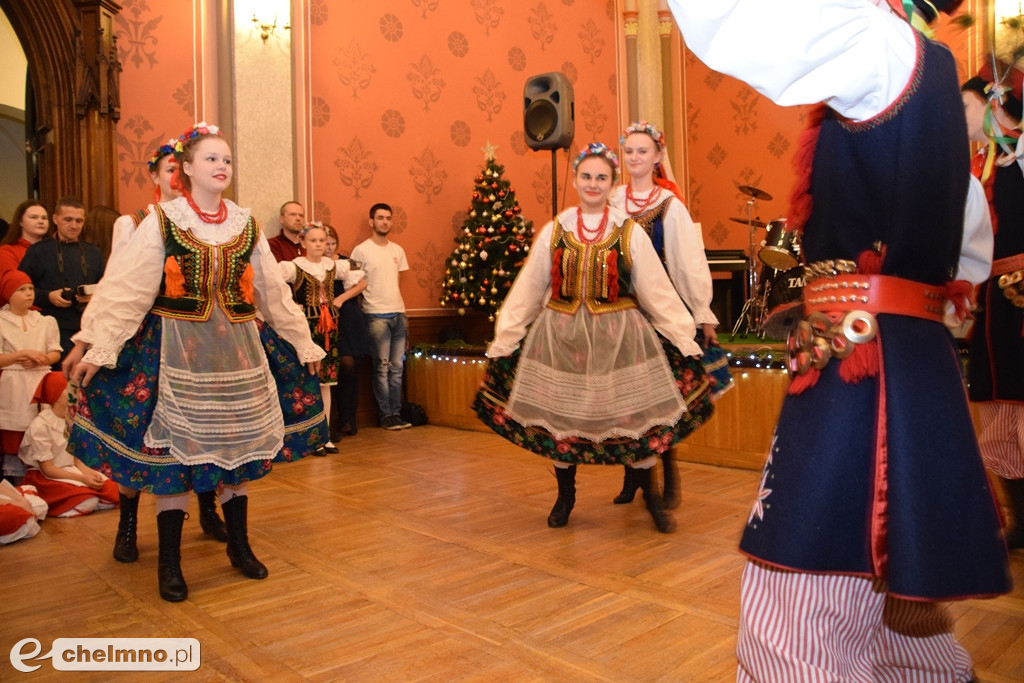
320,285
29,344
594,383
69,486
178,376
655,204
162,166
353,344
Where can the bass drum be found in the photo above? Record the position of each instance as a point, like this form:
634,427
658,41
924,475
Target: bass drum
781,248
784,302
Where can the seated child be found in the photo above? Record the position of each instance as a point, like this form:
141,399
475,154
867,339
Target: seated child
68,485
21,510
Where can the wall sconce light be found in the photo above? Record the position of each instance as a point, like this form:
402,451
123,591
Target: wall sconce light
267,29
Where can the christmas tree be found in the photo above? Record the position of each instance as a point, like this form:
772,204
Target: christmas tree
494,243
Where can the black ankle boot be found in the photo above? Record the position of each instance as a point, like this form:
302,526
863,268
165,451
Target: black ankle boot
125,549
1015,491
655,505
209,520
168,567
670,490
629,487
559,516
236,513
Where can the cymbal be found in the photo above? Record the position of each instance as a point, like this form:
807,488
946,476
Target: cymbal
753,221
754,192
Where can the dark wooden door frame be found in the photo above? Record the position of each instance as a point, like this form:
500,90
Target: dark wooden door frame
72,59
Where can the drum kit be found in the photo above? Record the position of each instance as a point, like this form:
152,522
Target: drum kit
774,294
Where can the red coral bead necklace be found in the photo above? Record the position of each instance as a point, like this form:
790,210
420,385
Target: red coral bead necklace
586,235
218,216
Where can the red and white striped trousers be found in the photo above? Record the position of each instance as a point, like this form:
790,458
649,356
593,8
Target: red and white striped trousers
803,628
1002,438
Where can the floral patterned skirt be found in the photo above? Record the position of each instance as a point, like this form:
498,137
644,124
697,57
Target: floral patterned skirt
111,415
691,379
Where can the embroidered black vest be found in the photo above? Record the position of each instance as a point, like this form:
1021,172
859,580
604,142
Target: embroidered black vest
653,222
310,293
196,262
595,274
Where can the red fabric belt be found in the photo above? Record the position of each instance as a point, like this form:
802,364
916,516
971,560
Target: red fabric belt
1007,265
875,294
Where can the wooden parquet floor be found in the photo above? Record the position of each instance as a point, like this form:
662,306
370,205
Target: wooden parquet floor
423,555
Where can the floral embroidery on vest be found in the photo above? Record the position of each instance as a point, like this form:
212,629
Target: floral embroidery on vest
187,287
595,274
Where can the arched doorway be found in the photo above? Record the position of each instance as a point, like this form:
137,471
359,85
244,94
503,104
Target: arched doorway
74,83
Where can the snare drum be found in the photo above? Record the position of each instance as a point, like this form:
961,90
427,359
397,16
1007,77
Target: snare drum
781,248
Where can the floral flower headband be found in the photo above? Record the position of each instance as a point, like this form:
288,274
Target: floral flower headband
597,149
646,128
201,128
312,225
164,149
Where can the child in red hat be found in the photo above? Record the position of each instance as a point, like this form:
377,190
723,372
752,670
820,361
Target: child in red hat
29,344
69,486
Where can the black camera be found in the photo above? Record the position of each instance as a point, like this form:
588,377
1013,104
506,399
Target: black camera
67,294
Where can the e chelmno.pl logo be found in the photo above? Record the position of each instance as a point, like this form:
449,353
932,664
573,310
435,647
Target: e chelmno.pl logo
110,654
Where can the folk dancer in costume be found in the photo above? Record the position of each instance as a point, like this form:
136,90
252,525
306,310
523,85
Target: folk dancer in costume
162,166
992,103
594,383
321,285
178,377
161,170
655,203
874,506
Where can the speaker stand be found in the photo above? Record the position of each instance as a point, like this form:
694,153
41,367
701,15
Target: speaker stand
554,184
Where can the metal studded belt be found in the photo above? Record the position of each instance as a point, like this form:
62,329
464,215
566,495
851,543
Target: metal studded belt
841,311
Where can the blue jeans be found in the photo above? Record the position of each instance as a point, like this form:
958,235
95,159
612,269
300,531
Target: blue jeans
387,350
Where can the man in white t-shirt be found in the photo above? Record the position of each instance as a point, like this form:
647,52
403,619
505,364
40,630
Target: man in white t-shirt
384,310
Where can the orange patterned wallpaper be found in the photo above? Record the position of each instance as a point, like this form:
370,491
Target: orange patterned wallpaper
405,93
154,43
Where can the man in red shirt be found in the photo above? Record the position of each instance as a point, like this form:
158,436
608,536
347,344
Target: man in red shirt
285,245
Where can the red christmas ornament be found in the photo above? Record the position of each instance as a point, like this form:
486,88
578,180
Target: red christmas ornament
494,186
501,193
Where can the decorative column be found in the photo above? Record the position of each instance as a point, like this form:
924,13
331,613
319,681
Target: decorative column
630,26
97,98
668,118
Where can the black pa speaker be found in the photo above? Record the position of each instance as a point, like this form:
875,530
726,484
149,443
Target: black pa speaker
548,111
